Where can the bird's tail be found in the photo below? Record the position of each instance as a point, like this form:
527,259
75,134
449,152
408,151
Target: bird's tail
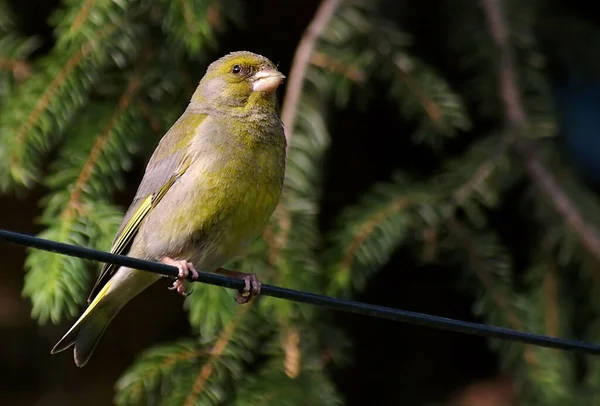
88,330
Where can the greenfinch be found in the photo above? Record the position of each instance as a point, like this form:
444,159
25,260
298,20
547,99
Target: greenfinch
208,191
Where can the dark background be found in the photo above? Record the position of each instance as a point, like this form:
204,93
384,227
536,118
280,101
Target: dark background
393,364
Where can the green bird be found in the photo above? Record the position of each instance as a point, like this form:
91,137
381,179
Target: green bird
208,191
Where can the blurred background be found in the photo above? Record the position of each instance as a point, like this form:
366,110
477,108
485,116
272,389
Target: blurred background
415,180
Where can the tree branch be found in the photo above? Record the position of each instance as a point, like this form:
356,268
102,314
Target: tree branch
44,100
215,353
300,63
20,69
324,61
516,118
483,273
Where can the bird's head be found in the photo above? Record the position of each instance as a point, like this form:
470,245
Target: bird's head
240,81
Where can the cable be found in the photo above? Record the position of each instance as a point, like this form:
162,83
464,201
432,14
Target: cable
305,297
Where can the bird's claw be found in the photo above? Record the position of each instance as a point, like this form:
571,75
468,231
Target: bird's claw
250,290
251,287
185,268
180,288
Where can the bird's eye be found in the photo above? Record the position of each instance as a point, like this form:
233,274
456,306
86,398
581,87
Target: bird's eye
236,69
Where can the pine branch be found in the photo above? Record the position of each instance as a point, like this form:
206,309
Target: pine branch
215,353
48,100
588,236
210,309
302,189
290,106
301,61
273,387
372,48
476,178
291,249
550,285
196,23
326,61
504,299
290,341
516,118
89,166
79,22
56,284
362,233
14,52
81,16
154,366
191,372
544,312
370,231
421,93
19,68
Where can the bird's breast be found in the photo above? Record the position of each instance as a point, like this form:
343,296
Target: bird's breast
220,206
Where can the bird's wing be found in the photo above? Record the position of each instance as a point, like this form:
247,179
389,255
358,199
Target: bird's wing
168,162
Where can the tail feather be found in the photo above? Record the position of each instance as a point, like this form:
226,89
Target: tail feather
87,340
87,331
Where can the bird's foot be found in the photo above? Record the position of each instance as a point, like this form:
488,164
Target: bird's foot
251,287
185,268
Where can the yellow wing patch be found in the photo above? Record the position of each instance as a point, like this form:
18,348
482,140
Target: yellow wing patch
130,230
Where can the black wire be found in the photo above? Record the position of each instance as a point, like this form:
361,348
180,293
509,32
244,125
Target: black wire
305,297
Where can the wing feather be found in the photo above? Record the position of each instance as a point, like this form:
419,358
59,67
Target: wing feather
166,165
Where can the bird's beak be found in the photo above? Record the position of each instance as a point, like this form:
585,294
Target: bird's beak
267,80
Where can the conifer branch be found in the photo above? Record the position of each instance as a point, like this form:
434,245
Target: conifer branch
431,108
53,281
325,61
164,364
155,368
292,355
45,98
188,15
301,62
195,23
87,169
479,176
552,319
588,236
365,230
19,68
517,119
82,16
215,353
481,271
73,205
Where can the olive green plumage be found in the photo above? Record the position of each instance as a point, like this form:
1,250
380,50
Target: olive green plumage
208,191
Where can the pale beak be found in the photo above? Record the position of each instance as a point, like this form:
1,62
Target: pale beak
267,80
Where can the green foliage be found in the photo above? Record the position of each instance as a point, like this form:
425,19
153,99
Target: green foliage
360,37
370,231
80,186
476,179
120,73
195,372
156,366
43,106
210,308
196,23
272,385
14,51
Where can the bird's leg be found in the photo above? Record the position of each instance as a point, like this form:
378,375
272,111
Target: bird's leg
251,288
185,268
